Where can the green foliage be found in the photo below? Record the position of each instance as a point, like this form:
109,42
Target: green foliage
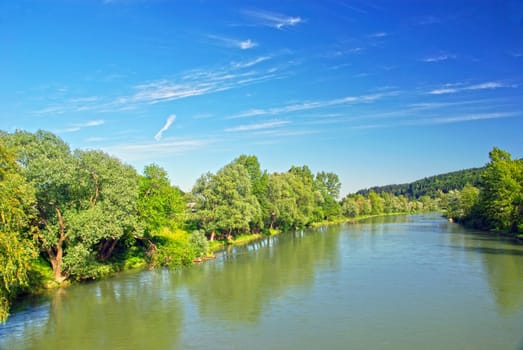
225,202
159,204
199,243
430,186
86,202
16,250
498,203
173,249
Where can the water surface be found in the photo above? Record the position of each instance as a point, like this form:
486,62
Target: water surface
406,282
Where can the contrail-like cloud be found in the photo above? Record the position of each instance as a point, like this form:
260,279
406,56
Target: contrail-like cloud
167,125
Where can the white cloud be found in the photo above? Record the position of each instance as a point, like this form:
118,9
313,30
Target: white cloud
438,58
308,105
247,64
273,19
487,85
233,43
464,118
443,91
166,126
460,87
195,82
80,126
247,44
378,35
260,126
90,123
142,151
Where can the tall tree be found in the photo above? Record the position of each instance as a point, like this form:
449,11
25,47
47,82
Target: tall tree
16,249
106,193
160,204
225,202
86,202
47,163
501,197
330,182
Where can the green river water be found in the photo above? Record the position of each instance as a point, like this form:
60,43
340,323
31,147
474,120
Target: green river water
405,282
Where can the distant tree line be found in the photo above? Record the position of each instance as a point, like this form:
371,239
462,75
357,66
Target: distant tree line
431,186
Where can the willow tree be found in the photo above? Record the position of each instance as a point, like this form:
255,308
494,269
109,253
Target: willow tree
16,249
103,212
225,202
86,202
47,162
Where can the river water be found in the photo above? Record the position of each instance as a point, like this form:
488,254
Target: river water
405,282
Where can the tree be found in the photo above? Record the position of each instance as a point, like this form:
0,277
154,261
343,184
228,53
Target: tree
376,203
104,211
259,182
330,183
86,202
284,210
16,249
501,197
225,202
47,163
159,204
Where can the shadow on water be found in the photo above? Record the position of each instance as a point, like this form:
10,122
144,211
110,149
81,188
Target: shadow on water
489,250
136,311
502,260
239,286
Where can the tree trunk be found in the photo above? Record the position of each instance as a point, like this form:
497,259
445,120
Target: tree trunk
56,253
107,249
213,233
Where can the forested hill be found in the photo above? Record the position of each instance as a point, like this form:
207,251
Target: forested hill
455,180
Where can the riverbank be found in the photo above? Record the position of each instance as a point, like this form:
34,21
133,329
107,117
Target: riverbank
218,245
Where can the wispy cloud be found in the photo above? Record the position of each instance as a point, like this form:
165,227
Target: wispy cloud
92,123
165,127
308,105
234,43
464,118
247,64
378,35
187,84
80,126
273,19
260,126
167,147
438,58
451,89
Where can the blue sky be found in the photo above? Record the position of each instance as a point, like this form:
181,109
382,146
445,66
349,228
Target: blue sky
378,92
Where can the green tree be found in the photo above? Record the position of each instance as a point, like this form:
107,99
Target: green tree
86,202
330,183
16,249
259,181
376,203
501,197
225,202
159,204
282,197
104,212
350,207
47,163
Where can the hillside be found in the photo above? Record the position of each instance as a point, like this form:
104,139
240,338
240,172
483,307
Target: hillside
430,185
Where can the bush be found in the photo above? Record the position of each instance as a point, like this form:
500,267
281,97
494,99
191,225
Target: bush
199,243
173,249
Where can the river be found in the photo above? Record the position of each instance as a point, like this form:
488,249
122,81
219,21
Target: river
404,282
